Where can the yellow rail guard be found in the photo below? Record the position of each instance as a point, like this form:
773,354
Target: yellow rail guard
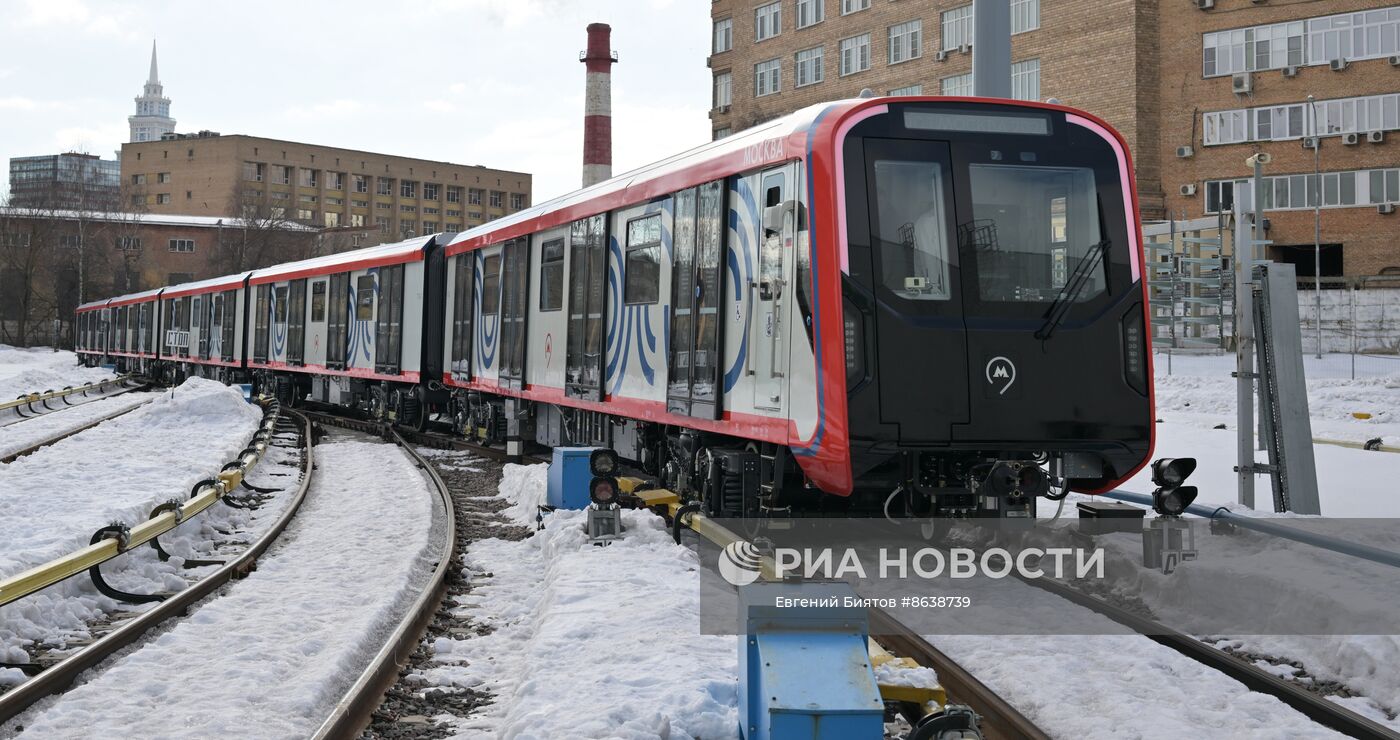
29,398
67,566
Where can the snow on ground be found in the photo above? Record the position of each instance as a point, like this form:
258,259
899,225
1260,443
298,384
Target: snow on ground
22,433
30,369
565,619
53,500
271,656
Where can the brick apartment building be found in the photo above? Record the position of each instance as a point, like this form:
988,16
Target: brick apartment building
207,174
1186,73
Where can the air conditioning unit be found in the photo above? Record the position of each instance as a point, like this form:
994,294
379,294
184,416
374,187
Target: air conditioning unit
1338,64
1205,4
1290,71
1375,137
1385,209
1188,189
721,109
1242,83
941,56
1351,139
965,48
1184,151
1309,142
1395,61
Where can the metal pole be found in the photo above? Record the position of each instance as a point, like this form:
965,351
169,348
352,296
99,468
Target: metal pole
1257,195
1317,225
1244,358
991,48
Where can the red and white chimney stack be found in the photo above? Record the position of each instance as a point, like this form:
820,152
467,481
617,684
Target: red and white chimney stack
597,104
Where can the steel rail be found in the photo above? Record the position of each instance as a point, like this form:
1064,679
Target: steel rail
60,675
71,432
424,438
1311,705
64,567
36,397
352,714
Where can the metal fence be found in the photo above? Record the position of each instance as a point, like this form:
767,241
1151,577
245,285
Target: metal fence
1359,338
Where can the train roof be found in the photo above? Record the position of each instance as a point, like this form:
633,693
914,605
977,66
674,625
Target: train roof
358,259
129,298
691,167
90,305
210,285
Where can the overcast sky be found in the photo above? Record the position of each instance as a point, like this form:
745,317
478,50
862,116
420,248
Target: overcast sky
489,82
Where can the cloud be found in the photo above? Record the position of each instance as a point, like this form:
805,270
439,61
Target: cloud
102,140
21,103
505,13
330,109
76,14
440,106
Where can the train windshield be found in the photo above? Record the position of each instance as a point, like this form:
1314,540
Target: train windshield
912,228
1031,228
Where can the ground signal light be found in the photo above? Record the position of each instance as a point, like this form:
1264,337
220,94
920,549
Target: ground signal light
1171,497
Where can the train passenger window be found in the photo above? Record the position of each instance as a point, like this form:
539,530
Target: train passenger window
183,324
318,301
388,327
642,272
226,329
364,298
216,323
912,232
279,304
583,368
552,275
491,285
296,322
262,313
1032,228
337,334
464,264
515,286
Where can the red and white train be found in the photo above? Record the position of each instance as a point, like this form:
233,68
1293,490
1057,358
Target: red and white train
929,304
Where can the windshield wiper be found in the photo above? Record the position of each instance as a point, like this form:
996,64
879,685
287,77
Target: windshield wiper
1073,287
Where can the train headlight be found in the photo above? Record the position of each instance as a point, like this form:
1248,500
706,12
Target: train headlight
603,462
1171,497
603,491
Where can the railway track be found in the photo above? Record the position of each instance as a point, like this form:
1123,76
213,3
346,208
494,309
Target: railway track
66,433
23,407
57,677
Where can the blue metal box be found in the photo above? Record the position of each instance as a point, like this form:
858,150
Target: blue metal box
569,477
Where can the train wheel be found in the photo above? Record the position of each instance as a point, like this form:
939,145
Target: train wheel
378,403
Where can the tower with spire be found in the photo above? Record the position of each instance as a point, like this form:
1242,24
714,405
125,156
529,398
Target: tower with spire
152,109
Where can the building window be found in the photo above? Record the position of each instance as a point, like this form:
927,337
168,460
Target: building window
182,245
359,203
1025,80
384,186
276,195
517,201
282,174
451,213
767,21
855,54
722,132
724,35
808,68
408,189
767,77
852,6
163,199
429,227
408,209
357,220
1367,34
331,201
454,195
1350,189
906,41
497,199
642,270
332,219
335,180
306,178
430,191
724,90
129,243
474,196
958,85
810,12
138,179
383,223
254,171
307,198
163,178
911,90
957,28
429,211
1295,120
69,241
1025,15
361,184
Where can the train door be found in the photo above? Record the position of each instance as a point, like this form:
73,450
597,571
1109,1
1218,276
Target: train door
769,294
388,324
262,312
693,375
463,303
206,325
588,269
337,328
228,327
515,294
296,323
920,331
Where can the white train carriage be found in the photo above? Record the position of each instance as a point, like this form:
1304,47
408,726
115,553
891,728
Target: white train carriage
134,320
90,339
673,297
348,328
202,329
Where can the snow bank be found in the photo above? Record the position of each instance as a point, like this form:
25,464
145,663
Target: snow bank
19,434
53,500
564,656
272,655
29,369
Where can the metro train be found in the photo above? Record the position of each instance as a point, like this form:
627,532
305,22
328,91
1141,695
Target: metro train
930,306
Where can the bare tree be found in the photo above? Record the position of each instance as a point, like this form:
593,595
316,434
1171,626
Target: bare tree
28,240
261,232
